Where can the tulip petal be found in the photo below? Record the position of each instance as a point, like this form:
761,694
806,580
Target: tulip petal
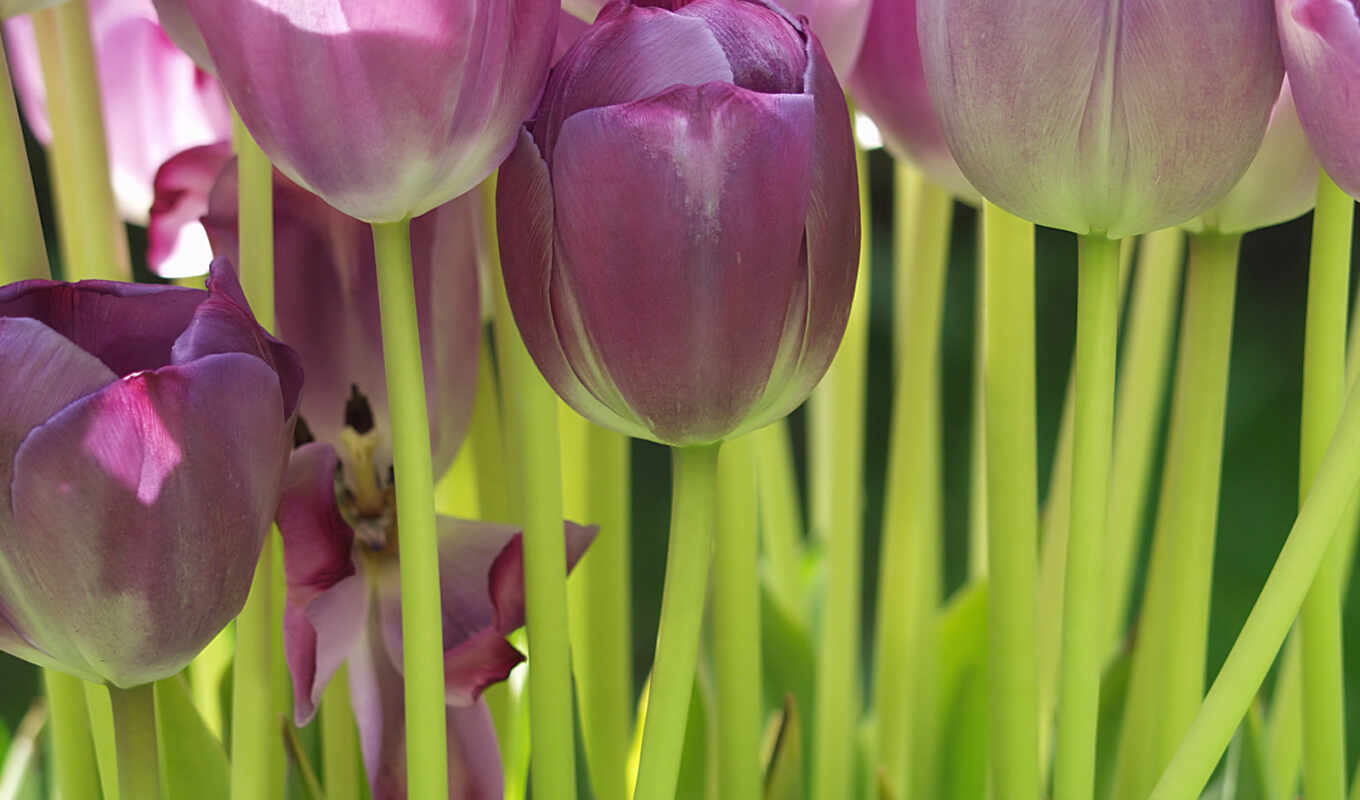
507,574
761,41
178,246
130,467
841,27
180,26
681,290
1321,40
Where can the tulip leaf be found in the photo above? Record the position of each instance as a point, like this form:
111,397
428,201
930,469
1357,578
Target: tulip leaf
695,761
784,753
297,753
787,656
193,762
1114,690
962,687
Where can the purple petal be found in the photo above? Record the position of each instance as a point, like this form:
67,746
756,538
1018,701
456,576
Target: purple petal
1321,40
683,306
178,245
179,25
319,637
764,45
507,574
177,475
841,26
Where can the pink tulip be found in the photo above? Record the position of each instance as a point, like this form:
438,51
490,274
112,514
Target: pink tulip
1321,40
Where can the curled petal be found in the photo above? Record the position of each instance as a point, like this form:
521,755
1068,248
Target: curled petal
178,246
1321,40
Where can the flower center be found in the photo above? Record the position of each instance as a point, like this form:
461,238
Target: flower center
365,492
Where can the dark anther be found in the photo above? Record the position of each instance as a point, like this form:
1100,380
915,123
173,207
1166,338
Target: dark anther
358,413
301,433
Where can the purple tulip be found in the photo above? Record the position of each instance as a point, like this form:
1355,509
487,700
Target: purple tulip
889,84
327,297
1321,40
156,103
344,605
1100,116
679,227
1280,184
144,433
839,25
386,110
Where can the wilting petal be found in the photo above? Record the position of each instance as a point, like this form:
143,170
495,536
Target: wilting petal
685,295
1321,41
178,246
140,473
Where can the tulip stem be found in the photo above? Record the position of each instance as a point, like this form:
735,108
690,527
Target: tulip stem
596,484
1324,386
94,243
910,572
693,517
72,747
1336,484
134,718
1093,421
339,740
781,517
421,618
24,255
736,623
1012,500
1167,679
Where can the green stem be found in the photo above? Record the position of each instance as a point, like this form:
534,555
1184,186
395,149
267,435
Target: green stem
836,459
206,673
72,748
1324,384
100,710
487,443
736,624
910,572
977,456
421,617
339,741
1138,414
24,255
1093,423
1167,679
94,244
693,518
134,717
256,215
596,486
1337,482
781,517
1012,500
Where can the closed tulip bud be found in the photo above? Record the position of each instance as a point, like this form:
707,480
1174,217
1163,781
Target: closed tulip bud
679,226
385,110
889,84
144,434
1280,184
1321,40
1098,116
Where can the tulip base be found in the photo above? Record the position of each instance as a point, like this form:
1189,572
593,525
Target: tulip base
134,719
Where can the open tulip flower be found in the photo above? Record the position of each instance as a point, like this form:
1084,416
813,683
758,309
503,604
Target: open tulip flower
143,441
1321,40
316,84
1099,116
157,102
674,276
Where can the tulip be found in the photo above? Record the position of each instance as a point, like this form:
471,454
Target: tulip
144,441
840,25
674,276
385,111
889,84
1280,185
1321,40
1096,116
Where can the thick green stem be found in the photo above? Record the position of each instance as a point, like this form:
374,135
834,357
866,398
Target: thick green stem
693,518
910,569
1012,500
781,517
596,485
134,718
736,624
100,709
24,254
836,459
206,673
1336,484
1093,421
339,741
421,618
1324,383
1167,680
256,214
94,244
72,748
977,452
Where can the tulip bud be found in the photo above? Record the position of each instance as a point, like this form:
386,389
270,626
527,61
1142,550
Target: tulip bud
1098,116
680,226
1321,40
385,110
1280,184
144,434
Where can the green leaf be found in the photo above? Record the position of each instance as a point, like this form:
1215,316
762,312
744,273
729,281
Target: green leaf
310,786
193,763
784,754
962,686
788,659
695,763
1114,690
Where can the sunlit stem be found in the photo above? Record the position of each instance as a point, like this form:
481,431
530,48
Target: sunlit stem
134,715
781,517
72,749
24,254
